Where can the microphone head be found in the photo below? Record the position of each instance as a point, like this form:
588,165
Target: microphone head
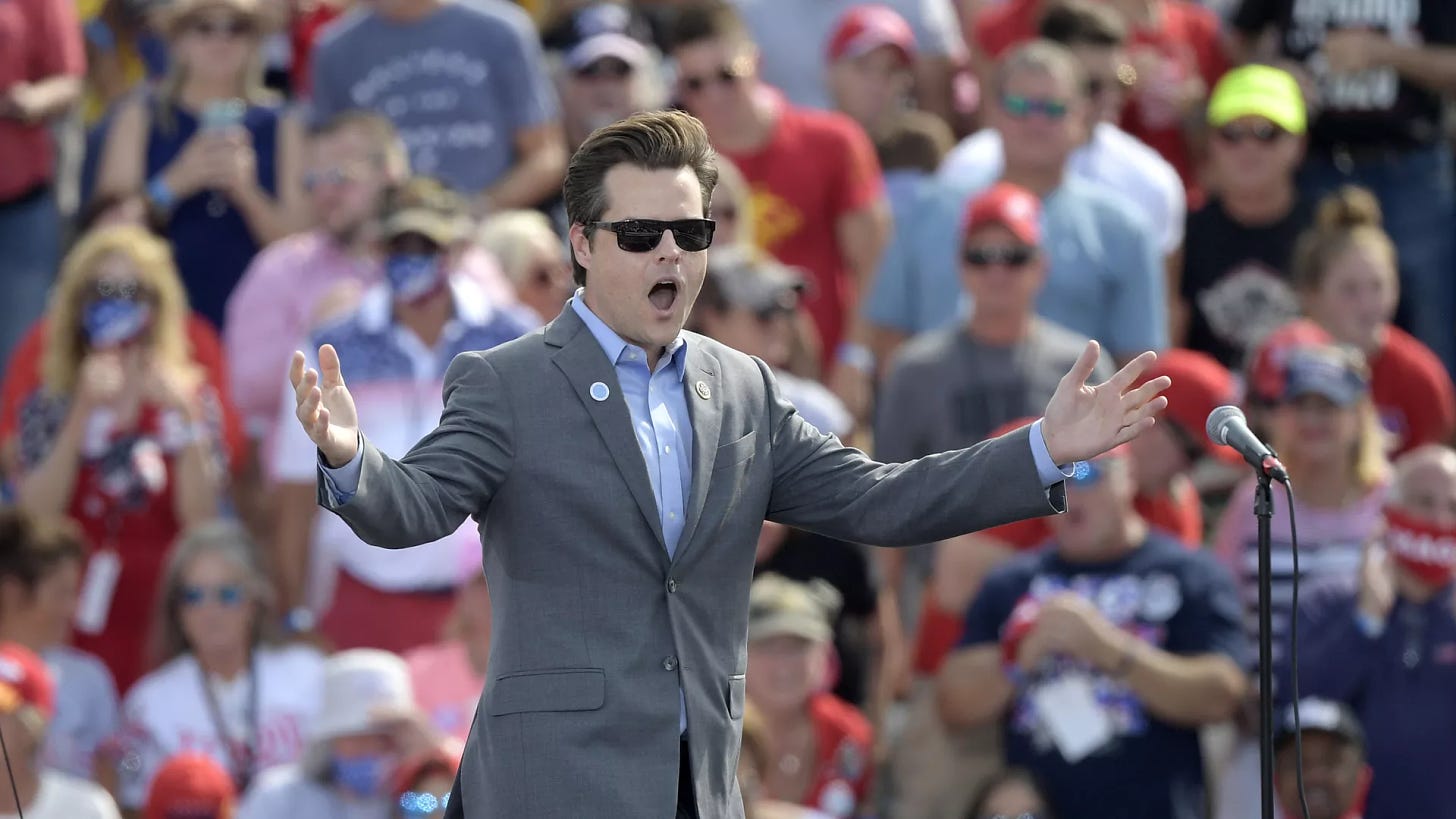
1218,422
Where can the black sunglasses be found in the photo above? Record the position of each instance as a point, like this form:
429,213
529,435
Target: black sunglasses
1014,256
727,75
642,235
1263,133
230,26
606,68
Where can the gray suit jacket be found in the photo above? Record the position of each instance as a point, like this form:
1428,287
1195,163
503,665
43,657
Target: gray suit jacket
594,626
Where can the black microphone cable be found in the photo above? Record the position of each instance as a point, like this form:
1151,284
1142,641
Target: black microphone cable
14,790
1294,654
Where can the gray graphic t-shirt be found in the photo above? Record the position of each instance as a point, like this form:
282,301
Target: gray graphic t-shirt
459,84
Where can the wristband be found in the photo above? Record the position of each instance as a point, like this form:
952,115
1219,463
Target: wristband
857,356
160,194
1371,627
298,621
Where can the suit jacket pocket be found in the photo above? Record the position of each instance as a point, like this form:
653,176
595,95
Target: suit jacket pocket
560,689
737,690
736,452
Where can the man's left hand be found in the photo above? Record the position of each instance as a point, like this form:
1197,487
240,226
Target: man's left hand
1083,421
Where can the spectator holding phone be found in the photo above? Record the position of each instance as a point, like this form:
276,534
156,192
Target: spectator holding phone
212,150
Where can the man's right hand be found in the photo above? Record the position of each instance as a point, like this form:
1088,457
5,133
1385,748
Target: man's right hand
325,407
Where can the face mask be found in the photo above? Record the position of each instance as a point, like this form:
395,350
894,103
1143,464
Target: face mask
111,322
363,776
1423,549
412,276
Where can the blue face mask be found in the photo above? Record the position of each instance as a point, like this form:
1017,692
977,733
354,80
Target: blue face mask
108,322
412,276
363,776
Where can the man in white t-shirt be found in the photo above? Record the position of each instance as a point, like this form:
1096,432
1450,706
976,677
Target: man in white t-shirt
27,703
1111,157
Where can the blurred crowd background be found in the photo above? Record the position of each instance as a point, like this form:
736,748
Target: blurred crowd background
926,208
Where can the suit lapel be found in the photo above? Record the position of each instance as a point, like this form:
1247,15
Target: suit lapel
581,359
704,398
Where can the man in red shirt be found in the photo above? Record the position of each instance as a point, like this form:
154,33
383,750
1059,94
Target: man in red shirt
42,61
818,198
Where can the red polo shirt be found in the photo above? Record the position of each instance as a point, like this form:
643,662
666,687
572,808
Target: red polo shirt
39,39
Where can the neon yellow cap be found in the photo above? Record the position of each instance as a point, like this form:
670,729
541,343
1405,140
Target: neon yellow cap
1258,91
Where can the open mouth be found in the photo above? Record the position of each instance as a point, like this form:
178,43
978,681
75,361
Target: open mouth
663,295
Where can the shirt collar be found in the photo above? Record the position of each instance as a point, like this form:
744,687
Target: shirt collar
614,345
472,306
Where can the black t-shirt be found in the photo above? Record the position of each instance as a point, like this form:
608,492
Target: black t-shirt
1181,601
1236,279
1374,108
805,556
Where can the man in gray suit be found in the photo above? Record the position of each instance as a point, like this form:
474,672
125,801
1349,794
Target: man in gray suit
620,470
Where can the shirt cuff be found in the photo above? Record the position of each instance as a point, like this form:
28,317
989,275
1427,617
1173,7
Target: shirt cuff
1371,627
343,482
1050,472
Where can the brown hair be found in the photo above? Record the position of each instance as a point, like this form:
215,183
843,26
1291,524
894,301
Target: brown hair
1348,217
916,139
658,140
387,149
1077,22
706,20
1046,57
31,548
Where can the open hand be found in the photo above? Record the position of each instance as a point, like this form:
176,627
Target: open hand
1350,51
1377,582
325,407
1083,421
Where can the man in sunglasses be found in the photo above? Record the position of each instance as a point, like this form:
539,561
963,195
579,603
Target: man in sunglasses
608,70
1235,285
621,470
1101,655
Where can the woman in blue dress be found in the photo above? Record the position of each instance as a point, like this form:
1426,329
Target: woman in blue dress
211,149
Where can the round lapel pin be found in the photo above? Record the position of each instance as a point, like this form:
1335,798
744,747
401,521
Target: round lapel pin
599,391
703,391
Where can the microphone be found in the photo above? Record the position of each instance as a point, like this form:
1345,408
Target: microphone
1227,426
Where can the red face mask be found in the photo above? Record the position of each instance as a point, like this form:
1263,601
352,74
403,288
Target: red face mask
1423,549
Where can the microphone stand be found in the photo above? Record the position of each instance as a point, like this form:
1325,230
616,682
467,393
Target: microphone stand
1264,511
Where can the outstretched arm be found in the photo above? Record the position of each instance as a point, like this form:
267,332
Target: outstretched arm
450,474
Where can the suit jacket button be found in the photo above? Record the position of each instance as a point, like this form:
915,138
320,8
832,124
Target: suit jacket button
671,586
669,664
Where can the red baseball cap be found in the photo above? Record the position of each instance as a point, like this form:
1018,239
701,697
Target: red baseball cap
1011,206
25,680
190,784
1269,364
1200,384
865,28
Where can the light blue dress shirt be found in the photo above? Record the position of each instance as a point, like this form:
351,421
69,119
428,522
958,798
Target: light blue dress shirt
663,428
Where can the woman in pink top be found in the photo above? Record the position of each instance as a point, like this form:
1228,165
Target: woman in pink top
1325,429
449,675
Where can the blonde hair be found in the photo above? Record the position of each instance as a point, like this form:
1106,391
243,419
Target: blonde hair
1369,462
250,87
733,188
1345,219
155,269
513,236
229,540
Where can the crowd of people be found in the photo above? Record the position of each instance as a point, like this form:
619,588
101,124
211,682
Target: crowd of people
925,209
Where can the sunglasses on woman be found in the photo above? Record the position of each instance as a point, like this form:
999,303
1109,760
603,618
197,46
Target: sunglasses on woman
229,595
1009,256
643,235
221,27
1022,107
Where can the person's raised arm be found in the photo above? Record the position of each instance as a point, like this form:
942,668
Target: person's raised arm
45,488
450,474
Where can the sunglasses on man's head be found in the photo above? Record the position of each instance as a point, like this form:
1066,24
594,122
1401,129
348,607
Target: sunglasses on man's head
229,595
219,26
1022,107
1264,133
727,75
644,235
1015,256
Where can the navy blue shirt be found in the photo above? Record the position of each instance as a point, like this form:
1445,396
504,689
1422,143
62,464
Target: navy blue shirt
1401,682
1181,601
